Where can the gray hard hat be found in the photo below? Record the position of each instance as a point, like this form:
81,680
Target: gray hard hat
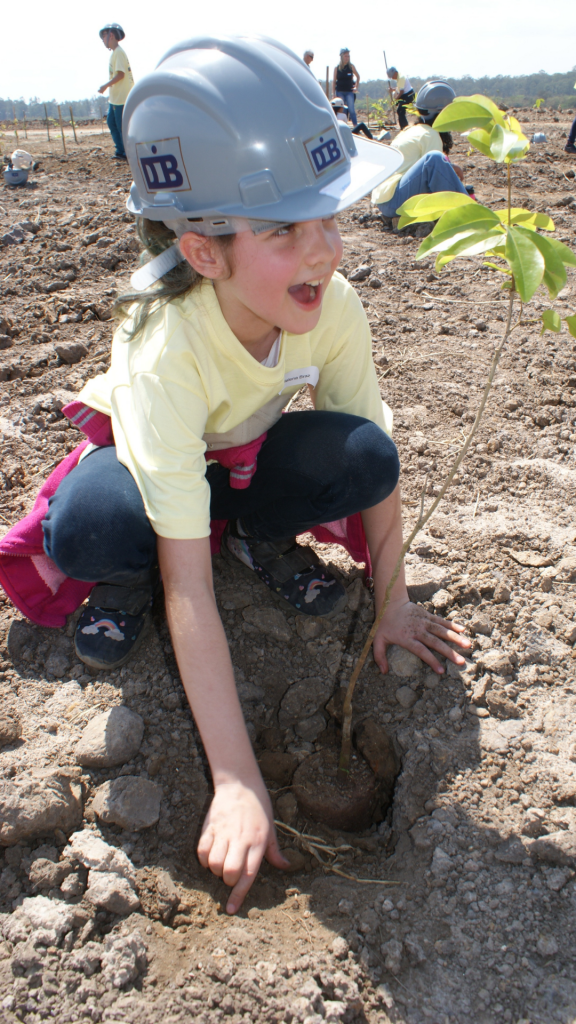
433,97
114,27
16,176
236,127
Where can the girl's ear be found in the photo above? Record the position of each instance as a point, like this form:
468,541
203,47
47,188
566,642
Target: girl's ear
205,256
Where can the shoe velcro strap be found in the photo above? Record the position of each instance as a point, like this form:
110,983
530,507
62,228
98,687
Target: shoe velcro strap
283,563
111,598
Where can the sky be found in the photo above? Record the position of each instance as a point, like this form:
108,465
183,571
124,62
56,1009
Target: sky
61,57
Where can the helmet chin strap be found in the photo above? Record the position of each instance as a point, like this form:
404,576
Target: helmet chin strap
151,272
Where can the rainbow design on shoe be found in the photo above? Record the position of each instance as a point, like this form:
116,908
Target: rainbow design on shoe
312,589
110,629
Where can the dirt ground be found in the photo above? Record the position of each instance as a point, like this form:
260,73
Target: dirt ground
480,839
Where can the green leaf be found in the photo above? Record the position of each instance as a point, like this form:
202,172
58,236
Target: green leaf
430,207
571,320
480,139
526,218
565,253
442,260
551,321
502,141
463,113
525,260
459,223
554,273
466,244
494,266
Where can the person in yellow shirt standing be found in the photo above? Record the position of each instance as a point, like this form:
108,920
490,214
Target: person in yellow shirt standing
121,81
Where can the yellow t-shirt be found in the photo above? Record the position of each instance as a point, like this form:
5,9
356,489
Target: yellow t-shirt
186,383
119,62
413,143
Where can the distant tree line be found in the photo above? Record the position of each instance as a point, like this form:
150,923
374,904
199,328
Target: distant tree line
513,91
34,108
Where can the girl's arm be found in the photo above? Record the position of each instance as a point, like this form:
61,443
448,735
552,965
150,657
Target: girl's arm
357,78
404,623
239,828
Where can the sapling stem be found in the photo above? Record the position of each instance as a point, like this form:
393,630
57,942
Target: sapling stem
423,517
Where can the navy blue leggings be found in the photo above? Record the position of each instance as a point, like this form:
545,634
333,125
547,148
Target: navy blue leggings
314,467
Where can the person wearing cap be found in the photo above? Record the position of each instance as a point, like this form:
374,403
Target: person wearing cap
342,115
239,306
308,57
120,83
346,82
403,93
425,165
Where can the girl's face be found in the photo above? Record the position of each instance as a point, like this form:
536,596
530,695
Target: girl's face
278,278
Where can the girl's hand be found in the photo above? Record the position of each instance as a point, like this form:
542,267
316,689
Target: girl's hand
237,833
411,626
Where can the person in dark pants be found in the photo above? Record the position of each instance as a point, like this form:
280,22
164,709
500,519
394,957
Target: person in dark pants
121,81
570,146
403,94
346,82
342,114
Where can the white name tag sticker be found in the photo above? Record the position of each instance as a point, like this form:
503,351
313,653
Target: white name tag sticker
305,375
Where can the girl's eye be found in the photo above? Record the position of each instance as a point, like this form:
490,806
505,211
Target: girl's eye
285,230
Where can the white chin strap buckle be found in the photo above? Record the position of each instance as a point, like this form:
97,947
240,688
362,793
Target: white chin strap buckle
156,268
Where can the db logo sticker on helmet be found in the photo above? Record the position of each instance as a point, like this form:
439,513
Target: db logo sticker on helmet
162,165
324,150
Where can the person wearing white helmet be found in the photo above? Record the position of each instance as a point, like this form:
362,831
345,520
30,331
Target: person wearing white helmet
239,306
341,112
425,165
120,83
308,57
403,94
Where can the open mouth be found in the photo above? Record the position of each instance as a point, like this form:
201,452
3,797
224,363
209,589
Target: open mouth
307,294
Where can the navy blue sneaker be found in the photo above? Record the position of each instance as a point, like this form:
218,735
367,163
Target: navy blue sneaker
289,570
113,625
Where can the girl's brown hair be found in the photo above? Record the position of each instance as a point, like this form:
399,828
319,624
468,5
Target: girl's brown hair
156,238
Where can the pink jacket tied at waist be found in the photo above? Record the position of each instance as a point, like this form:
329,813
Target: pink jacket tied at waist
44,594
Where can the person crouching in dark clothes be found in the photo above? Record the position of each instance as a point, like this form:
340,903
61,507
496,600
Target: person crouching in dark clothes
341,111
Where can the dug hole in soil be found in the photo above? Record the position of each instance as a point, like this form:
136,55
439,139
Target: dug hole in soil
467,850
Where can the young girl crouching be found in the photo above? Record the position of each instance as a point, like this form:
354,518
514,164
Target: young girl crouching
239,214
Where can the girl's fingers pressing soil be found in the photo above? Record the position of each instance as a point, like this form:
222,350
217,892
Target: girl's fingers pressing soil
412,627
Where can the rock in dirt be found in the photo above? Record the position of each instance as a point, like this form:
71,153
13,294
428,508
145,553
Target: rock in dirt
71,352
341,802
494,660
38,802
392,953
45,874
423,580
10,729
361,273
22,638
54,918
500,705
406,697
109,739
278,767
557,848
111,892
309,628
167,895
124,958
94,853
303,699
495,736
295,858
57,663
309,729
129,801
269,621
402,662
510,852
287,808
377,748
480,623
87,959
441,863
